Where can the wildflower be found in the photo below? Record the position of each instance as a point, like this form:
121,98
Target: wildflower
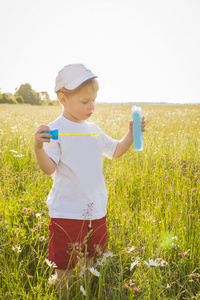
175,238
194,275
104,258
109,289
186,254
38,215
132,284
42,238
50,264
108,254
94,272
53,278
135,263
16,249
130,249
136,291
152,263
82,290
180,254
162,262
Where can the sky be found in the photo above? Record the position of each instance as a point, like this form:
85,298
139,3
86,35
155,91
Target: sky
141,50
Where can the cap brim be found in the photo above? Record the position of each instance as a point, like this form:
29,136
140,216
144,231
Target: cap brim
80,80
74,84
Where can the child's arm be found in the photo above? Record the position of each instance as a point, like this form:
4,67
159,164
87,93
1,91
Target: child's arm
127,140
46,164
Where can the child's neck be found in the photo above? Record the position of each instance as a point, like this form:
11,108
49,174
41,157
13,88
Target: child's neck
71,118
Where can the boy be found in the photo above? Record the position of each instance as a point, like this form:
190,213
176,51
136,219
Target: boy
78,198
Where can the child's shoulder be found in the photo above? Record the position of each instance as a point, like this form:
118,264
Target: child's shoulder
56,123
92,125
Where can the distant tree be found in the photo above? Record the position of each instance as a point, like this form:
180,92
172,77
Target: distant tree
28,94
44,96
7,98
19,99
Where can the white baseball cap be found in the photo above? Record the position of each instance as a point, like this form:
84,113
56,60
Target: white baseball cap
72,76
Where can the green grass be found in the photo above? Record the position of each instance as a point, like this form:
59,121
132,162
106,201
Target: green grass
153,205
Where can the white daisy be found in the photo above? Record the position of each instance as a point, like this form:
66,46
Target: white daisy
152,263
104,258
16,249
94,272
38,215
53,278
108,254
82,290
42,238
51,264
135,263
131,249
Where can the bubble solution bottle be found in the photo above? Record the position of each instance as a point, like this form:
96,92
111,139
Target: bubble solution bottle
138,143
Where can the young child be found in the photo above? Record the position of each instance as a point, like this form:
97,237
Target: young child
78,198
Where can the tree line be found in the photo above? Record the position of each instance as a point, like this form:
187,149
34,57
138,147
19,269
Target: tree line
25,94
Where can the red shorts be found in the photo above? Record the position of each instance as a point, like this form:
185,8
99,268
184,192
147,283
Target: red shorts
70,240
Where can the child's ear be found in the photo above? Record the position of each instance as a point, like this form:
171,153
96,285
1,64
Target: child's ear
61,98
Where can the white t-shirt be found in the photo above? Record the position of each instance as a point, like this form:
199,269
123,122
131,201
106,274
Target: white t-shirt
78,190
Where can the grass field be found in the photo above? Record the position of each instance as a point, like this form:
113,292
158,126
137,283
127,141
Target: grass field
153,208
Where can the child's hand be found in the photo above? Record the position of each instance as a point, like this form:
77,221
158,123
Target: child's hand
130,127
41,137
143,124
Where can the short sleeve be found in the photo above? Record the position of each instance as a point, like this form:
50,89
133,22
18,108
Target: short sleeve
108,145
53,150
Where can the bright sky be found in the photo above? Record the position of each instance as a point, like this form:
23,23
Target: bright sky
141,50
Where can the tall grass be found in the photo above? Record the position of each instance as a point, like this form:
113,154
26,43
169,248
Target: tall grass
153,207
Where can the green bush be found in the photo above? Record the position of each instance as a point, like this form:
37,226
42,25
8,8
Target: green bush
19,99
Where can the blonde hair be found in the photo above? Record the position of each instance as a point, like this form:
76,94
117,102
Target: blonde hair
89,84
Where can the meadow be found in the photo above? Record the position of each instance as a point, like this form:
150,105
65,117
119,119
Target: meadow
153,208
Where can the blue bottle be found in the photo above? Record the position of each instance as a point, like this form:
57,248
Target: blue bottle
138,143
